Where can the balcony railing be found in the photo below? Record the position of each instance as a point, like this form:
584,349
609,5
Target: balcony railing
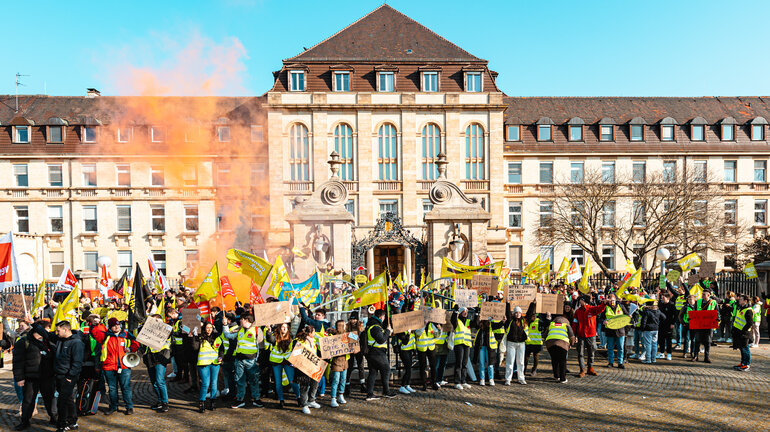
388,186
476,185
299,186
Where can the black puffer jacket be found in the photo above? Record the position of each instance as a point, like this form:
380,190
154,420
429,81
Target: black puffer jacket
69,356
32,358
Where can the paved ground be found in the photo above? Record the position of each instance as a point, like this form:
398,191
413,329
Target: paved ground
670,396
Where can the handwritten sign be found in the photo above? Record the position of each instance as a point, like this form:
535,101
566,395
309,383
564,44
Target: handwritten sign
434,315
703,320
447,326
467,298
191,318
17,306
337,345
154,333
361,279
707,269
673,276
521,295
306,361
485,284
272,313
553,303
495,310
407,321
692,279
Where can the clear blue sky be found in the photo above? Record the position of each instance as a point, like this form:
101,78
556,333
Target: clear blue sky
545,48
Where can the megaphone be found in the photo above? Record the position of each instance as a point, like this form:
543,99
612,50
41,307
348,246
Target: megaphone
371,310
131,360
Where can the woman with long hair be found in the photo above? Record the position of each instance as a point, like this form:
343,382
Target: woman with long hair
339,370
280,344
307,385
210,355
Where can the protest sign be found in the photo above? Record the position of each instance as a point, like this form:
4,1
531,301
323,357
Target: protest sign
447,326
191,319
154,333
707,269
521,295
618,321
434,315
361,279
494,310
692,279
485,284
341,344
467,298
673,276
272,313
407,321
17,306
306,361
662,281
703,319
553,303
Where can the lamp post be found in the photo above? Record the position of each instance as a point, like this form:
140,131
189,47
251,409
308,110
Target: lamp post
457,243
662,254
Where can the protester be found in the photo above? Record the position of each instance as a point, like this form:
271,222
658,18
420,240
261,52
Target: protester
405,345
584,327
703,337
280,345
426,359
376,355
156,362
616,338
558,338
650,324
246,366
67,365
741,332
227,368
515,340
210,353
461,324
33,366
756,309
339,370
307,385
356,361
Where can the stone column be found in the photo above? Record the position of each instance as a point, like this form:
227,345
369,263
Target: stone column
370,262
408,264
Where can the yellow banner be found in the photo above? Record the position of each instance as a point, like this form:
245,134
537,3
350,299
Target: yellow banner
563,269
210,286
455,270
373,292
688,262
250,265
68,309
583,285
280,275
750,271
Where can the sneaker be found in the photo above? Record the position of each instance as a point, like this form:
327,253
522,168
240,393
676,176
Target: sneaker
737,367
224,392
314,405
164,408
73,427
372,398
702,350
156,407
492,382
411,390
305,410
620,366
171,375
129,411
334,403
661,355
238,404
507,382
668,356
677,346
522,382
391,395
257,403
745,368
642,358
443,383
466,385
341,399
482,382
459,386
109,411
403,390
633,356
729,340
564,381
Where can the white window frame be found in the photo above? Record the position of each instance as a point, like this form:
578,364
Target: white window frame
673,173
124,217
122,168
577,253
188,215
56,263
17,137
300,153
702,129
540,172
512,213
631,133
731,128
52,217
731,212
301,85
761,169
428,84
636,164
387,202
388,168
154,217
18,218
608,166
51,172
84,135
426,205
160,263
665,130
156,130
123,135
341,75
49,134
510,165
475,152
541,128
157,169
579,169
611,255
470,86
760,211
608,214
578,128
601,133
544,212
86,209
508,129
123,263
17,176
733,169
92,257
223,133
381,76
757,132
86,171
700,170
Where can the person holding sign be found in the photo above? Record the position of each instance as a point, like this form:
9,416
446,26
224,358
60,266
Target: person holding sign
687,335
156,362
616,338
517,328
461,323
210,353
280,345
377,355
744,321
116,343
426,345
307,385
246,366
703,337
339,370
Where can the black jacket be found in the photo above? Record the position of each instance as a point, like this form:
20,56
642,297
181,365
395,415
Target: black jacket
32,359
378,334
651,319
69,356
672,315
614,332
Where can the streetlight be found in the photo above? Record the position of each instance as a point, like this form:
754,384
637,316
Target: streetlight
662,254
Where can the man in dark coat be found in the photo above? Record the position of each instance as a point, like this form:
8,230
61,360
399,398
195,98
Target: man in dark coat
67,366
33,359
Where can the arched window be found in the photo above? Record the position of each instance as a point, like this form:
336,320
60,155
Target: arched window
387,154
299,153
343,145
474,152
431,147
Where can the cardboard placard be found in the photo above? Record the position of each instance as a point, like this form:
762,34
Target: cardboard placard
407,321
361,279
434,315
703,320
495,310
154,333
191,319
17,306
521,295
337,345
673,276
692,279
553,303
447,326
662,281
272,313
306,361
467,298
485,284
707,269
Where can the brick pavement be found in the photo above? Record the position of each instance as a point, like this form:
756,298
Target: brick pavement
671,396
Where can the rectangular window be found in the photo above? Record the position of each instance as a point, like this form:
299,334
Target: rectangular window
576,133
430,81
190,176
700,171
546,172
698,132
157,175
760,171
124,134
760,212
350,206
55,178
55,134
757,132
667,132
89,219
639,214
639,171
89,175
576,172
514,172
388,206
513,133
158,217
473,81
427,206
55,219
57,263
125,263
607,133
544,132
21,134
731,212
608,214
669,171
731,255
608,172
514,258
89,261
257,134
637,133
190,217
124,218
342,81
728,133
159,258
257,173
223,175
123,172
156,134
546,254
546,213
223,133
21,173
576,253
89,134
577,214
297,79
730,171
608,256
700,208
514,214
191,258
21,216
387,81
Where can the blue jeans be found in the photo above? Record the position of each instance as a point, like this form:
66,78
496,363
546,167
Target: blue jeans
677,333
650,345
173,365
440,367
614,343
338,383
745,355
247,370
602,337
124,379
484,367
208,375
228,375
322,385
19,391
289,370
158,379
637,341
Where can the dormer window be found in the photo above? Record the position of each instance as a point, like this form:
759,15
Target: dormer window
124,135
544,132
21,134
223,133
606,133
576,133
430,81
513,133
386,81
89,134
637,133
156,134
473,82
55,134
667,129
342,81
728,132
297,80
757,132
698,132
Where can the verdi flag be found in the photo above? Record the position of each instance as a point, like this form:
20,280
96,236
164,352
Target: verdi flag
563,269
255,297
162,309
583,285
633,281
227,288
455,270
120,287
688,262
137,312
67,279
210,287
375,291
399,281
39,300
68,309
280,275
250,265
306,292
750,271
529,268
9,274
574,274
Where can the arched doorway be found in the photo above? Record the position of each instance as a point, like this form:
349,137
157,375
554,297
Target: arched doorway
390,245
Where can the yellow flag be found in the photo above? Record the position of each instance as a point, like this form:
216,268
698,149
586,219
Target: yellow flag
563,269
690,261
68,309
374,291
630,266
39,298
750,271
696,290
544,268
529,268
583,285
399,281
250,265
422,280
162,308
280,275
210,286
297,252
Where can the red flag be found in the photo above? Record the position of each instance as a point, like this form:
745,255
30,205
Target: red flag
104,280
255,296
204,308
227,289
67,279
9,275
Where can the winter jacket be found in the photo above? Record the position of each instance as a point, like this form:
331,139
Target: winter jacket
32,358
556,342
379,334
651,319
68,356
742,336
584,320
669,310
614,332
115,346
318,325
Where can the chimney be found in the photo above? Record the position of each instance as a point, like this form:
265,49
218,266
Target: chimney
92,93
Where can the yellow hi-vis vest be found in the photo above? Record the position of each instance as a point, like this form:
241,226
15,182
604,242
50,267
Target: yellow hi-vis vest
247,341
558,331
426,341
441,339
462,332
534,337
492,340
757,309
680,301
177,339
208,353
410,345
370,340
121,352
278,356
740,318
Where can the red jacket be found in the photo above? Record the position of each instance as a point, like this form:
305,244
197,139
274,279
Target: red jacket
584,322
115,347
